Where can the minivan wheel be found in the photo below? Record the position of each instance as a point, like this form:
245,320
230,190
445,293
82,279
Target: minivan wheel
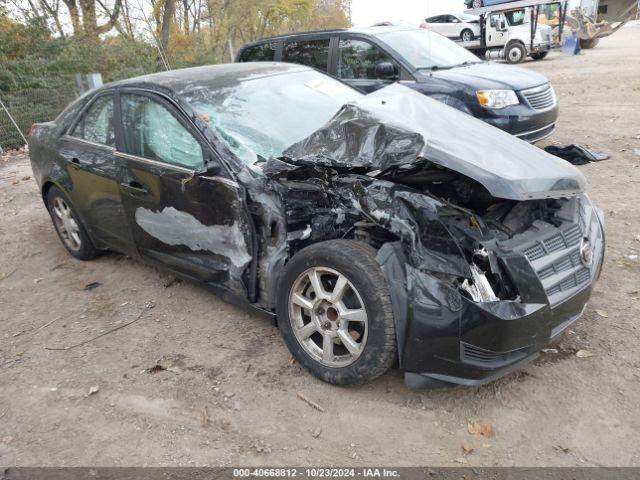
477,4
334,312
68,226
466,35
515,53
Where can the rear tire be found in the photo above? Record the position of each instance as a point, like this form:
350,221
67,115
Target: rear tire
539,55
346,334
68,225
515,53
477,4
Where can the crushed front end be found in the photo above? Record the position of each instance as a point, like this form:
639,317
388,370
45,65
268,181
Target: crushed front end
489,245
521,293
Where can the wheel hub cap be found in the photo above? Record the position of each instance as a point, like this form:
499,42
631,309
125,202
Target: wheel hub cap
328,317
66,224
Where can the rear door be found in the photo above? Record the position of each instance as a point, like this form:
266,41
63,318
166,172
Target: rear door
356,61
435,24
195,224
310,52
450,26
88,149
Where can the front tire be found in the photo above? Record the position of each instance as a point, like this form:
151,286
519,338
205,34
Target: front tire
466,35
515,53
334,312
68,225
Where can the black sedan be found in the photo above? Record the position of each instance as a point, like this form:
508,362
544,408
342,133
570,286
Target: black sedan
370,228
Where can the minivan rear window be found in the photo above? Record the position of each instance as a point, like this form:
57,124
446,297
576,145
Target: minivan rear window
312,53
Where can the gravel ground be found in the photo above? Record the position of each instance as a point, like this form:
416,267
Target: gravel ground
228,390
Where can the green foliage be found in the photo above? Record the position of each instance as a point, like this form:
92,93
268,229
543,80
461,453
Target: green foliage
37,68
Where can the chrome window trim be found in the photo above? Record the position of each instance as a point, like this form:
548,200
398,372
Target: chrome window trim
226,181
68,136
156,163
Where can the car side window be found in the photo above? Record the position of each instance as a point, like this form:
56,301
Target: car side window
96,124
264,52
313,53
357,59
494,20
151,131
433,20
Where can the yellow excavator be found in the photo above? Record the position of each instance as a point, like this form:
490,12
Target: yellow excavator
592,19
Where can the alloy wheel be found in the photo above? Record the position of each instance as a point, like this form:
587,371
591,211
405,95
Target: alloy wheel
66,224
328,317
466,36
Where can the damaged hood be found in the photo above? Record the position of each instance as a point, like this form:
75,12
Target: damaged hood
398,126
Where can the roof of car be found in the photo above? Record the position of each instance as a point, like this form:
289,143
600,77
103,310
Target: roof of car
373,30
184,80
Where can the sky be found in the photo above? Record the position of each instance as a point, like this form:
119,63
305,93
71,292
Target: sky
412,12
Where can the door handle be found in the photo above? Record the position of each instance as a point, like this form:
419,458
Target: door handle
76,163
136,186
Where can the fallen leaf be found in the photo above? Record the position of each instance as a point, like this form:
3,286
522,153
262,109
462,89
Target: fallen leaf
316,433
584,354
602,313
480,429
467,449
93,390
8,439
156,369
562,449
37,280
92,285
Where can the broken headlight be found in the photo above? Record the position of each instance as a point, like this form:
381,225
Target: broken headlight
497,98
478,288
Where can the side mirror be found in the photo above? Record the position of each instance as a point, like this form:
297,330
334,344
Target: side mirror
386,70
212,166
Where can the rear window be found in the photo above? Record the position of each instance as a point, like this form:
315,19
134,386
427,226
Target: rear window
265,52
312,53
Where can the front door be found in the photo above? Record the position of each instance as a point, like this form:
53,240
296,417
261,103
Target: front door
193,223
496,35
88,149
356,64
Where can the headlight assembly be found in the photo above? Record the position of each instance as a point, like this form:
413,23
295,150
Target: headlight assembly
497,98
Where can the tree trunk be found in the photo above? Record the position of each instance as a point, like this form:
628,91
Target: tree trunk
74,14
165,31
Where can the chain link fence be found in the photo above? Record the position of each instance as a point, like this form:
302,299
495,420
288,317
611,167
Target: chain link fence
32,105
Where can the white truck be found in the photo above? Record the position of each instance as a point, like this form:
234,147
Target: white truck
510,31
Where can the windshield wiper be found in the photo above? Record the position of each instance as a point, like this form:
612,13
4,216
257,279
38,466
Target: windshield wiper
434,68
464,64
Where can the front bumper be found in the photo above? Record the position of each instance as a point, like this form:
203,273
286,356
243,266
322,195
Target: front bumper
524,120
450,338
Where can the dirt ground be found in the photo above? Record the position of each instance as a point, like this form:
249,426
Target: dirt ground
229,394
